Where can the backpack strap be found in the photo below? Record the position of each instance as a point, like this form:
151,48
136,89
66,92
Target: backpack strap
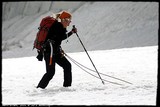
51,42
51,55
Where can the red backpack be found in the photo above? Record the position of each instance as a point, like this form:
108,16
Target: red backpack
45,24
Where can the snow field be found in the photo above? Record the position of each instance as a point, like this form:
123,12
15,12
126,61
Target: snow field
20,77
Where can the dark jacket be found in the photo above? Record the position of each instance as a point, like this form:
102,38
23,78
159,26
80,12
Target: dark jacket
56,33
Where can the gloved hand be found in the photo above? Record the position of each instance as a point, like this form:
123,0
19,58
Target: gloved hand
62,53
40,56
74,30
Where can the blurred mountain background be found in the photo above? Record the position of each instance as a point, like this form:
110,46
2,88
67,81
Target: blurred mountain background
101,25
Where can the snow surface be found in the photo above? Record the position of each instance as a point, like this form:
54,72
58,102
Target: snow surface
20,77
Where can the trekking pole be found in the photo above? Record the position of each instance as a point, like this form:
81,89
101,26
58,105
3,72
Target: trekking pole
89,56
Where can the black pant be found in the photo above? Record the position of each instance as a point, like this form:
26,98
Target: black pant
50,70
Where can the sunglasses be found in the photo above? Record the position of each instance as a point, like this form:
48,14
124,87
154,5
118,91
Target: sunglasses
67,19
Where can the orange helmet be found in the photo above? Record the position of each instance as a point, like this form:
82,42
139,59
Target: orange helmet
64,15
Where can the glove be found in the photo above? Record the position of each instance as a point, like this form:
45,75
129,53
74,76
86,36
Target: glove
40,56
62,53
74,30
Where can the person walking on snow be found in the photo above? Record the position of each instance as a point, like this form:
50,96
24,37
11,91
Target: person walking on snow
57,33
